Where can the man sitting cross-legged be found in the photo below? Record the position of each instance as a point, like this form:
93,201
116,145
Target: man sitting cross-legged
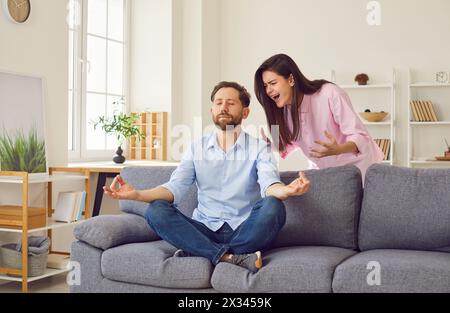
240,209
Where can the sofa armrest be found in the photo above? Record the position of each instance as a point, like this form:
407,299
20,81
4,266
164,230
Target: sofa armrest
107,231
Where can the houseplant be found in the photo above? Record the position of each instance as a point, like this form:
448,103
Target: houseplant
123,126
22,152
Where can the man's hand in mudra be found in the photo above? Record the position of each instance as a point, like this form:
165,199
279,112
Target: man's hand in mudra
123,192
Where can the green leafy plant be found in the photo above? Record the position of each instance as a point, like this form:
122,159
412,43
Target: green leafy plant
22,153
121,125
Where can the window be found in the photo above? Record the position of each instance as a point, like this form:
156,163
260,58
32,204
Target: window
97,73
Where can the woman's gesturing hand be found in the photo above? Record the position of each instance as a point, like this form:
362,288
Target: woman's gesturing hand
328,148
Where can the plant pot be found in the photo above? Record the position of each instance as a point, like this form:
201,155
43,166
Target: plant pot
119,158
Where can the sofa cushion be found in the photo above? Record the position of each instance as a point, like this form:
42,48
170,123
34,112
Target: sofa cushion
405,208
106,231
151,263
399,271
293,269
146,177
328,213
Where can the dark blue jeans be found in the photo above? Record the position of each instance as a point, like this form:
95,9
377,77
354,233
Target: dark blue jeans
266,219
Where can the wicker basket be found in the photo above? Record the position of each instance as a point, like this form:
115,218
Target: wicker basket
12,258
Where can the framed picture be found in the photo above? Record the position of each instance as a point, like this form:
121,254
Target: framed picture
22,125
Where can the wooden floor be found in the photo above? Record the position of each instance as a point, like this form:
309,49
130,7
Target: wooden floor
53,284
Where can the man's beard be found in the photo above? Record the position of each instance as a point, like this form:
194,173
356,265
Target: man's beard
227,124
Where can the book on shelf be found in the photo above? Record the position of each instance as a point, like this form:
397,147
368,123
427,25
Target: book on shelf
427,111
429,104
414,110
385,146
423,111
69,206
58,261
388,149
423,117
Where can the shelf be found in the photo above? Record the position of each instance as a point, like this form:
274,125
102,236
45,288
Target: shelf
51,224
48,272
417,90
13,221
428,161
158,130
376,86
429,123
421,85
38,178
377,123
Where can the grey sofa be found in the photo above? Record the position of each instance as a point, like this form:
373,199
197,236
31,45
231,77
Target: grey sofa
391,236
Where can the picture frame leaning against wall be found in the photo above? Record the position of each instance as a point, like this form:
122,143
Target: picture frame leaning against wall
23,144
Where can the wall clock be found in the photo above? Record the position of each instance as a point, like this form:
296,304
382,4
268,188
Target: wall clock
17,11
442,77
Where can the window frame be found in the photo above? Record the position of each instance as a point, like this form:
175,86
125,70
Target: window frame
80,153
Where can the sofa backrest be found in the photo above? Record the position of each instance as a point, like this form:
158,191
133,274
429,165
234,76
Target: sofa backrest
405,208
146,177
328,214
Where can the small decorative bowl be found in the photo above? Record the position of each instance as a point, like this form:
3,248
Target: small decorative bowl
373,116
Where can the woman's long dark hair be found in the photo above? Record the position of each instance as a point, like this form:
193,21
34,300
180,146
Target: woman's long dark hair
284,66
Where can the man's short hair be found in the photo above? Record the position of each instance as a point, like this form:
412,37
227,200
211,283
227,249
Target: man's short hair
244,96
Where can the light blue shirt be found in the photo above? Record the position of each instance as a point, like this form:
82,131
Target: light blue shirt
229,184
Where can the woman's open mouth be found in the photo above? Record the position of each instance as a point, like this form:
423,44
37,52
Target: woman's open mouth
276,97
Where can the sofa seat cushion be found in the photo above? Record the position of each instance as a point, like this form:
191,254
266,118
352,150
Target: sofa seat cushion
151,263
399,271
293,269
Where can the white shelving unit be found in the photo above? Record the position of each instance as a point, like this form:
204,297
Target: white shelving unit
41,179
51,224
22,227
48,272
425,91
376,127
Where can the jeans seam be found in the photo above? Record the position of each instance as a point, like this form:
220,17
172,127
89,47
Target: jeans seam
219,254
237,234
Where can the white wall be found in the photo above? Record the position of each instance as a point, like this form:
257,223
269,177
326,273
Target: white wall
39,47
151,55
194,68
324,34
211,54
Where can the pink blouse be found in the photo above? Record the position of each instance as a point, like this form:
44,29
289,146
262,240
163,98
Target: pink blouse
330,109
